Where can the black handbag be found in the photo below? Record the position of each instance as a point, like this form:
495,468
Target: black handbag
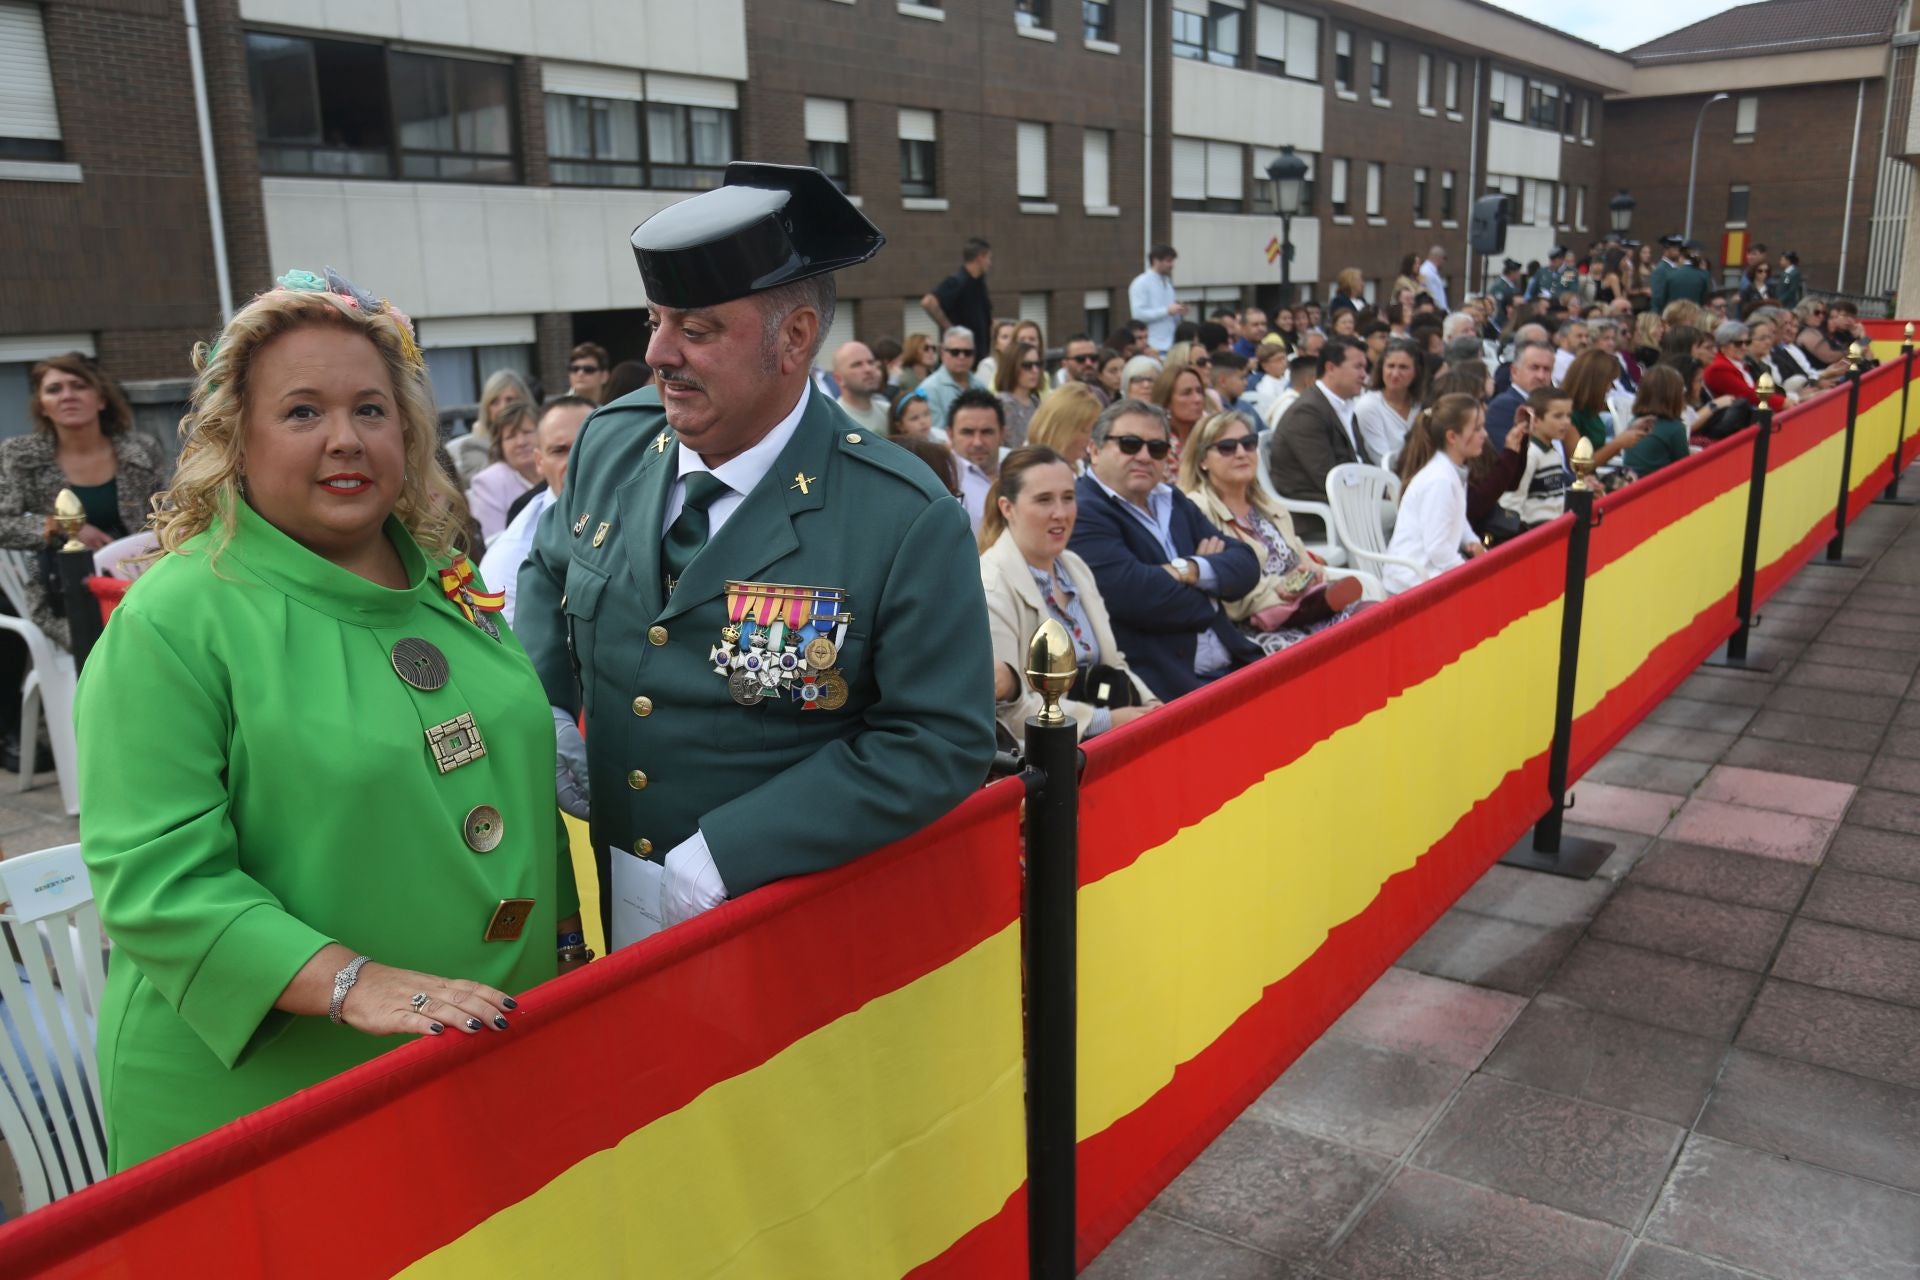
1101,685
1726,420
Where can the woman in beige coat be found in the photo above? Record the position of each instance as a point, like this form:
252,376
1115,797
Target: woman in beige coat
1030,576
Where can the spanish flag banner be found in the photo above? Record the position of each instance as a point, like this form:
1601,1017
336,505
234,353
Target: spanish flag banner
826,1078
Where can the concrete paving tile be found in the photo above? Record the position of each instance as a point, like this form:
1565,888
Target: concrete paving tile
1275,1188
1736,690
1876,965
1359,1096
1851,655
1864,902
1685,744
1866,637
1844,1122
1667,991
1678,924
1426,1226
1429,1017
1858,615
1623,808
1892,810
1901,741
1552,1149
1628,848
1784,1218
43,833
1154,1247
1872,851
1488,952
1882,598
1817,675
1686,713
1722,874
1648,773
1833,1029
1894,773
1783,792
1529,897
1792,757
1869,708
1567,1048
1658,1262
1908,716
1756,831
1815,731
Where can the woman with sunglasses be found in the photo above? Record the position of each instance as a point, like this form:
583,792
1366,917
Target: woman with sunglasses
1019,380
1294,597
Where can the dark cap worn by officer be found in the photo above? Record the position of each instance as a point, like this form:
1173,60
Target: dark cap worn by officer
772,618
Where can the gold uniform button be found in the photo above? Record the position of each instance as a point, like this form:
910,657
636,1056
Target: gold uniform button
643,846
643,706
656,635
853,437
483,829
637,780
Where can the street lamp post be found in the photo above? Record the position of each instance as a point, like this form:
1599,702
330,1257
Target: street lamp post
1289,174
1620,212
1693,165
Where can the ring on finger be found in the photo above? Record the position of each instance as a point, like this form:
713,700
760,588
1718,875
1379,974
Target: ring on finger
419,1001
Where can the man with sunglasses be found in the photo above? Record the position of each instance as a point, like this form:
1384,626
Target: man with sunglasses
955,374
1162,566
1081,364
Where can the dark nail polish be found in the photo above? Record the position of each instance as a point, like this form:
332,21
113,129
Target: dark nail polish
434,1028
499,1022
509,1003
473,1024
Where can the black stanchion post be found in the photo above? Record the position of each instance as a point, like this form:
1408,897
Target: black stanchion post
1837,557
75,565
1550,849
1051,941
1892,496
1734,652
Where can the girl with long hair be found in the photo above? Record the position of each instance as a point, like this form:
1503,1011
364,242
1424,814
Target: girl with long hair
1431,529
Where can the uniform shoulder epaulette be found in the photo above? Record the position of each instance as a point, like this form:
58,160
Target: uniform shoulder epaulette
885,455
633,419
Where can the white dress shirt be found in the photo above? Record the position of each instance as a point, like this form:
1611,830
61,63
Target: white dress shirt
1432,527
1148,298
1344,410
974,483
500,567
1431,281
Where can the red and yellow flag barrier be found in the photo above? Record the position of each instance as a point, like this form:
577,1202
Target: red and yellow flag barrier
826,1077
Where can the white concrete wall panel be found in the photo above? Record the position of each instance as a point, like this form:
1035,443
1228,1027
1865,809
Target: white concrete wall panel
1242,106
1524,152
1231,249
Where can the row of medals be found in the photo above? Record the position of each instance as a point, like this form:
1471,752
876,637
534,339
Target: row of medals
803,671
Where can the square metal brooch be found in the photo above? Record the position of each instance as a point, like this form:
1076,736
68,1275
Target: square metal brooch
455,742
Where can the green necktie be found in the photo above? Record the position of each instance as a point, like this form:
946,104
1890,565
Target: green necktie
688,532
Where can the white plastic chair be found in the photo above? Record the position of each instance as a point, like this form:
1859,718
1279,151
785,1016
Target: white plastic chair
49,686
1371,588
1330,550
1355,493
57,1140
126,557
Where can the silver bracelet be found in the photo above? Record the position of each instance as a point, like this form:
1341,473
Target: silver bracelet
342,983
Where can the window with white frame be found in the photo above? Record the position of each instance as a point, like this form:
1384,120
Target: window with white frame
1286,43
1377,71
1208,30
1030,160
829,148
1096,21
1208,177
1452,98
1737,205
919,153
1507,185
29,116
1586,116
1096,168
1420,194
1424,96
1543,105
1033,15
1746,117
1507,96
1098,306
1560,204
1376,177
1343,62
1446,195
1337,189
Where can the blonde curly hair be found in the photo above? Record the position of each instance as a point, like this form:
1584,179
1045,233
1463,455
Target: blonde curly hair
206,483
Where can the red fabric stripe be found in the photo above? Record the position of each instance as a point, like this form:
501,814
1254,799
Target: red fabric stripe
997,1247
436,1136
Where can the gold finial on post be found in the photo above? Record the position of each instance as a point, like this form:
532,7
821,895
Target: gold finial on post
1583,463
1854,353
1765,385
70,516
1908,333
1051,669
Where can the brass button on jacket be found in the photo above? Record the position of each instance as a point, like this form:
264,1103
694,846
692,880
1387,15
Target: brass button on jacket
656,635
643,706
637,780
483,829
643,846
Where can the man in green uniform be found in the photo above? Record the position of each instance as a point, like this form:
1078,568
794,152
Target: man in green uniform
1791,286
1678,277
773,618
1504,289
1556,278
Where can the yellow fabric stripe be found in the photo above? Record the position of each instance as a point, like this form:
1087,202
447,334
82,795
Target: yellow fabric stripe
862,1150
587,879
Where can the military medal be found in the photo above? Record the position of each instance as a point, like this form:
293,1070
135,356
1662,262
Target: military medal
476,606
781,639
744,686
580,525
833,690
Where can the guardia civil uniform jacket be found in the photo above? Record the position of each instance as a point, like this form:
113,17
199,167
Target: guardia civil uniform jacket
824,764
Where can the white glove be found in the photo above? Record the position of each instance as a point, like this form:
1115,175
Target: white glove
691,883
570,765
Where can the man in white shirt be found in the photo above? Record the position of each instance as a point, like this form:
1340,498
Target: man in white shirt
975,428
860,377
1432,277
560,420
1150,297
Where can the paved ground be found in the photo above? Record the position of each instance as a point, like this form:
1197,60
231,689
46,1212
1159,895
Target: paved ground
1702,1064
33,819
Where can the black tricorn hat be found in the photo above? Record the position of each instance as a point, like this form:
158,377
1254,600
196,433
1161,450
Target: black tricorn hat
1559,251
765,226
1678,242
1509,265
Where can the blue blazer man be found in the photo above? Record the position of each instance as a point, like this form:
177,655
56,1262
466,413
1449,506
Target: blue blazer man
1157,620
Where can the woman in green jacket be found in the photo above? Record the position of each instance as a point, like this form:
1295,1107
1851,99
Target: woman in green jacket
316,773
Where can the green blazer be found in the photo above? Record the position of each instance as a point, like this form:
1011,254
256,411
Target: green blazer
257,782
776,790
1683,281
